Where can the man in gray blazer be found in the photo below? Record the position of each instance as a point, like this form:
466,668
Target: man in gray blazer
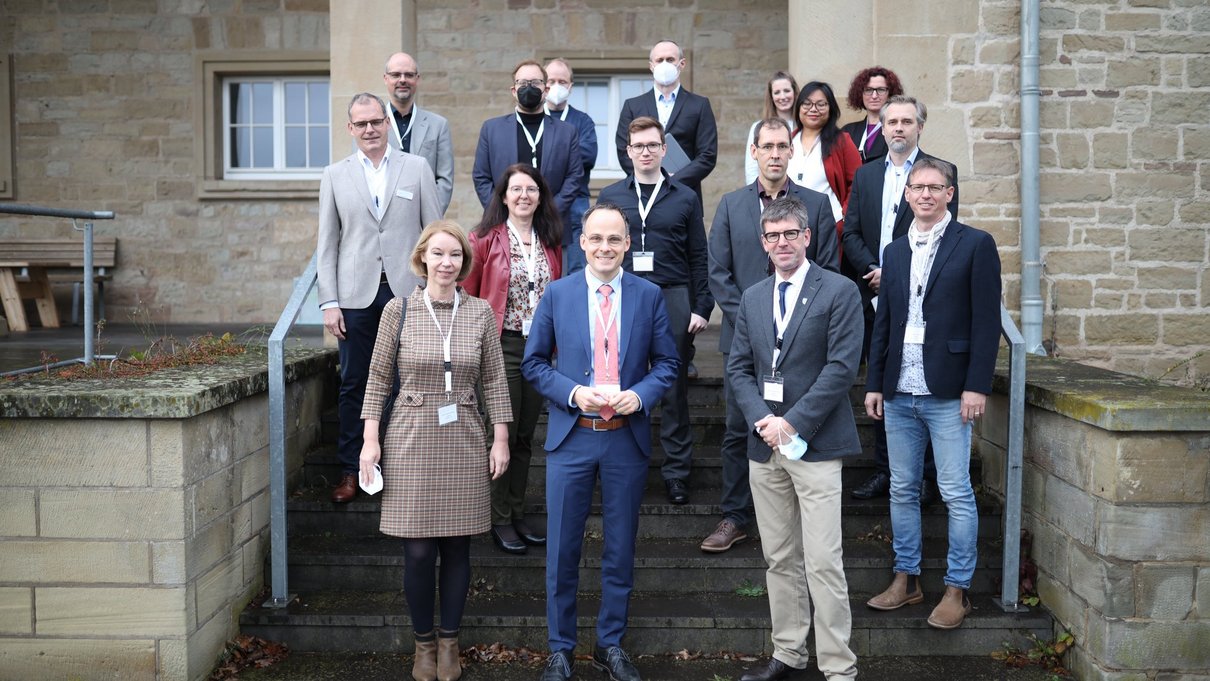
416,130
800,429
737,261
372,206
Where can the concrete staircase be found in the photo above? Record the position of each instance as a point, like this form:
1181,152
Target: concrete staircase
349,577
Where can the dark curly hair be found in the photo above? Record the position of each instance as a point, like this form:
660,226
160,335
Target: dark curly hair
894,87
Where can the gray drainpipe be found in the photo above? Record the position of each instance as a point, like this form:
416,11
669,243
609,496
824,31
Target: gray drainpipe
1031,259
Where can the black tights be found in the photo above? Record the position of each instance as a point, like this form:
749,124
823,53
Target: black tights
420,580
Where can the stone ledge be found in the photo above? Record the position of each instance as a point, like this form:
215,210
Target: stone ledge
1108,399
171,394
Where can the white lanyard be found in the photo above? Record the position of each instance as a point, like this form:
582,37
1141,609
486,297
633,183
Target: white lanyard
605,326
405,133
865,136
562,114
445,339
531,260
533,141
779,322
890,206
644,211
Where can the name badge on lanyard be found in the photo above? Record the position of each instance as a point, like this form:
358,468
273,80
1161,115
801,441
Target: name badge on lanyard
448,413
531,265
774,387
772,383
533,141
643,259
403,135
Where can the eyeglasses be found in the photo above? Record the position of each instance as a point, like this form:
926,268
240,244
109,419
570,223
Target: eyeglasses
518,189
407,75
768,148
816,106
536,82
373,123
880,91
614,241
934,189
790,234
650,147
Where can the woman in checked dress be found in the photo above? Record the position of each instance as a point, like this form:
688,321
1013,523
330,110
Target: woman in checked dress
436,468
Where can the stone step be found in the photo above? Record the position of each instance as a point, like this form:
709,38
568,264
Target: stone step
309,512
662,565
377,621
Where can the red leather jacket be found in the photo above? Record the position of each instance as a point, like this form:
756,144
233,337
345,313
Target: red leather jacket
490,269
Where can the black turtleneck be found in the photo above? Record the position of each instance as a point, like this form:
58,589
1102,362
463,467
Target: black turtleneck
531,121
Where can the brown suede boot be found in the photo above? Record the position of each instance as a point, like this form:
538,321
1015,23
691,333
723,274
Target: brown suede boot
424,666
953,608
904,590
449,666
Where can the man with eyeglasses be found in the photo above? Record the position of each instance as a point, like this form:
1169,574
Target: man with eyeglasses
559,82
530,135
415,130
738,260
794,357
932,356
372,207
670,251
879,213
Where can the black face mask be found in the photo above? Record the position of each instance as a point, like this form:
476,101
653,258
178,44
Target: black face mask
529,97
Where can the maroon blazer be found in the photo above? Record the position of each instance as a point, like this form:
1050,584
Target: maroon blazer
490,269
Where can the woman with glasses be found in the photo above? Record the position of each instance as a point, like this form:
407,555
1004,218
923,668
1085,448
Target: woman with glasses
780,93
825,159
869,91
517,252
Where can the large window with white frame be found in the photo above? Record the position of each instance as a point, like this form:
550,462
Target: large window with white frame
601,96
275,128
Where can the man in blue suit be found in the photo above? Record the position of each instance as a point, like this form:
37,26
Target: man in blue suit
529,135
932,356
560,79
616,359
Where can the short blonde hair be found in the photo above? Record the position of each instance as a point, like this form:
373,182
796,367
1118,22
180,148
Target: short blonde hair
441,227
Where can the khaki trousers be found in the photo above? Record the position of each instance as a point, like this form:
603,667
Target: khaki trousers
798,514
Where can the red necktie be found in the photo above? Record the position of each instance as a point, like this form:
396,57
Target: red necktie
605,350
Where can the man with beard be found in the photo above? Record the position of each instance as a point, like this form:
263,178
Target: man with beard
416,130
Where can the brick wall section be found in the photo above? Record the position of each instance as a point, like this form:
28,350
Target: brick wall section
1125,176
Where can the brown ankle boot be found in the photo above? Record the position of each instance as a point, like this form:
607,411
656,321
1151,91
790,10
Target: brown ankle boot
953,608
424,666
904,590
449,667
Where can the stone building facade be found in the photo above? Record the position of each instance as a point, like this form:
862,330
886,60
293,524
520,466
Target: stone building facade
112,107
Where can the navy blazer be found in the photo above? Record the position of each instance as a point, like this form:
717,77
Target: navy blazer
961,314
737,259
691,123
821,351
648,358
560,163
863,219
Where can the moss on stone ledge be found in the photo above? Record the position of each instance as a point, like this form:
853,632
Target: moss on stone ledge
172,393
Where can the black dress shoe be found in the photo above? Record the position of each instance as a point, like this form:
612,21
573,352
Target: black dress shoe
928,492
528,534
506,538
557,667
877,485
615,662
691,372
678,491
776,669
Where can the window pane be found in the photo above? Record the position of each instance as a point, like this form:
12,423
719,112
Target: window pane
241,148
262,152
630,86
317,103
262,105
296,146
241,102
319,147
296,103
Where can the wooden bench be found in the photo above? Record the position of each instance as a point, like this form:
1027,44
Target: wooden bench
29,266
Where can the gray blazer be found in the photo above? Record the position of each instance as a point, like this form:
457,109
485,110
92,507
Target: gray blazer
354,246
737,259
821,350
431,139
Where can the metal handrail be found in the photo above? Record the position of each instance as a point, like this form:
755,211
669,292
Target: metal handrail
281,595
89,272
1010,569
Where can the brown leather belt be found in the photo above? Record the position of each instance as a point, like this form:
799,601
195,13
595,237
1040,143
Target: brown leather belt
601,424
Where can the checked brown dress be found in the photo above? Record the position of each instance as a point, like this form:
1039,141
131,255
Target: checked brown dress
436,480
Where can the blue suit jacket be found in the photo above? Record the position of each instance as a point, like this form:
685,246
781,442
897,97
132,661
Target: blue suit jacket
648,354
961,312
560,164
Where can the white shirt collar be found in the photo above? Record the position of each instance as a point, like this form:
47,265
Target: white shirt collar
911,159
800,275
369,165
594,283
670,98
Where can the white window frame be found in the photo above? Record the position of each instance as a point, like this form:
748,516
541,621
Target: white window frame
606,149
279,170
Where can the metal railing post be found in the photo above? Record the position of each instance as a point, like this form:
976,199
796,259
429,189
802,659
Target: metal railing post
1010,595
87,285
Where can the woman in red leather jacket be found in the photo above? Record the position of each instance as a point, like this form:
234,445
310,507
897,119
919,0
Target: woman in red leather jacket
516,252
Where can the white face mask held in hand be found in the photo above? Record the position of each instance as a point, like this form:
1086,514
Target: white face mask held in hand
793,450
374,486
557,95
665,73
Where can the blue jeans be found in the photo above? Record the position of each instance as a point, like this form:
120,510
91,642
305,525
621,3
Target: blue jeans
911,422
